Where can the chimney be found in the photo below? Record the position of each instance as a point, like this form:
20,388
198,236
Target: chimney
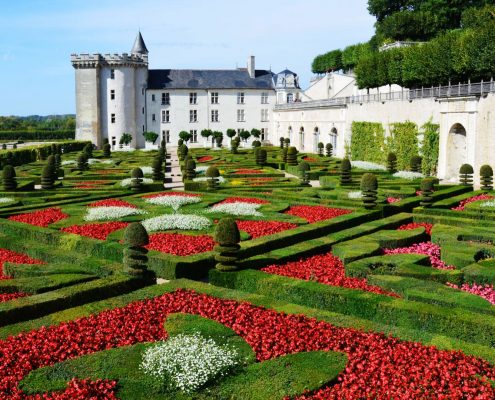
250,66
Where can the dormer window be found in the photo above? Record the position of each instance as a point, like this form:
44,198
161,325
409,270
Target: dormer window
112,74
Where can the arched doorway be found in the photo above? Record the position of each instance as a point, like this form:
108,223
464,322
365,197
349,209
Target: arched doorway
333,139
316,139
456,150
301,138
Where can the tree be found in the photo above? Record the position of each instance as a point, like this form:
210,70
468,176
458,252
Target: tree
125,139
218,137
206,133
231,133
244,135
150,137
255,133
331,61
185,136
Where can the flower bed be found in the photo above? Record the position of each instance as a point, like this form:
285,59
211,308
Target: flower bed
179,244
378,367
111,203
257,229
247,171
15,258
251,200
237,208
391,200
127,182
429,249
310,159
462,205
95,231
323,268
4,297
176,221
172,199
204,159
6,200
41,218
166,194
410,175
112,212
486,292
415,225
316,213
367,165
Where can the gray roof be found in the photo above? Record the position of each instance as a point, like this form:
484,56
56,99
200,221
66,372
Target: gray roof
287,72
139,46
209,79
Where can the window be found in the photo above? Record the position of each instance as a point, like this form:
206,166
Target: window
264,98
240,98
153,117
112,74
214,115
166,136
165,99
152,97
264,133
112,94
142,110
214,98
193,115
112,118
114,141
194,135
193,98
165,116
240,115
264,115
290,97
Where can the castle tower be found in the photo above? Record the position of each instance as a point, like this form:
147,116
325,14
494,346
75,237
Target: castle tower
110,95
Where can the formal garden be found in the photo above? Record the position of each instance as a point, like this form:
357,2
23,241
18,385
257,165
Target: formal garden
271,274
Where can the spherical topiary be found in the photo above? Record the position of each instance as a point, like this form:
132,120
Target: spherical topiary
427,188
212,173
256,143
190,169
304,167
157,165
9,178
137,179
345,172
466,174
82,162
292,156
329,149
321,146
391,163
107,152
261,156
88,150
286,142
369,186
47,176
415,163
281,142
135,259
486,177
228,237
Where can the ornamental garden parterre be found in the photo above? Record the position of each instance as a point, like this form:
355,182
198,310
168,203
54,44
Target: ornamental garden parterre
334,280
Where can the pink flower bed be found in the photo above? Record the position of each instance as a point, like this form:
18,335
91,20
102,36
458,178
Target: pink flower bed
247,171
326,269
316,213
378,367
95,231
415,225
112,203
429,249
257,229
250,200
173,193
462,205
179,244
393,199
487,292
41,218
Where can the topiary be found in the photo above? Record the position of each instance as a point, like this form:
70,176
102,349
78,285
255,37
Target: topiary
54,149
369,188
88,150
486,177
52,161
190,169
329,149
180,142
135,259
234,145
284,155
427,187
292,156
256,143
391,163
14,146
287,142
183,150
415,164
261,156
321,146
228,237
281,142
59,172
345,172
466,174
107,150
4,146
9,158
137,179
157,165
304,167
47,176
82,162
9,178
105,141
212,173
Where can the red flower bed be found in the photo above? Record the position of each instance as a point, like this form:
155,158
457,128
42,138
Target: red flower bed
88,184
179,244
310,159
257,229
205,159
111,203
316,213
251,200
41,218
247,171
11,296
15,258
96,231
462,205
163,194
326,269
415,225
260,179
378,367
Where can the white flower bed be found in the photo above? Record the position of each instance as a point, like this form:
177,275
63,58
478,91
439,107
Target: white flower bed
188,361
355,195
147,170
201,169
408,175
490,203
68,162
93,161
127,182
368,165
221,179
176,221
238,208
106,161
173,201
6,199
110,213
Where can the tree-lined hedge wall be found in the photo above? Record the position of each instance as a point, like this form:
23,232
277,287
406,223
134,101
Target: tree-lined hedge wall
430,147
403,141
368,142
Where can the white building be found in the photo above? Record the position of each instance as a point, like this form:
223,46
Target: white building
118,94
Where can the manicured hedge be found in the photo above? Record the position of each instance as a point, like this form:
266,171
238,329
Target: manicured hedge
37,135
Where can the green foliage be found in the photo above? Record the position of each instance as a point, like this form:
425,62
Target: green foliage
486,177
331,61
125,139
403,141
391,163
190,169
466,174
415,163
157,166
137,179
368,142
185,136
345,172
256,143
244,135
369,187
212,173
88,150
47,176
135,235
231,133
292,156
352,54
281,142
82,162
150,137
430,147
255,133
218,136
9,181
135,260
227,236
304,167
261,156
206,133
287,142
329,149
107,152
427,187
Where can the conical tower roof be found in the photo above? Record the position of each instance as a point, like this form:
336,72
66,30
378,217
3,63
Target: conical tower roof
139,46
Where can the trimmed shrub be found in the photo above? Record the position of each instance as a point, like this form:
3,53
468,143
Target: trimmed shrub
427,186
261,156
304,167
135,258
284,155
466,174
486,177
183,150
227,236
137,179
416,164
292,156
9,158
212,173
369,187
82,162
256,143
287,142
88,150
321,146
157,165
51,160
9,181
47,176
391,163
345,172
59,172
234,145
281,143
107,152
190,169
180,142
329,149
4,146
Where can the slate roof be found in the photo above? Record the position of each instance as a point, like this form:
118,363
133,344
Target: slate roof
209,79
139,46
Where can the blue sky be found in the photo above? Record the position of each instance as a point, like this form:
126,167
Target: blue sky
38,36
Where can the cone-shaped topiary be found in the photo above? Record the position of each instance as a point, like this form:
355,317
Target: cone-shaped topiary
59,172
369,187
135,258
281,142
137,179
190,169
466,174
88,150
82,162
52,161
304,167
427,187
157,166
287,142
415,164
391,163
284,155
9,158
212,173
107,150
345,172
9,178
261,156
292,156
228,237
486,177
234,145
47,176
183,151
329,149
321,146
